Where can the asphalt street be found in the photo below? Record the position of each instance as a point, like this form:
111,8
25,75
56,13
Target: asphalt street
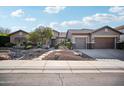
62,79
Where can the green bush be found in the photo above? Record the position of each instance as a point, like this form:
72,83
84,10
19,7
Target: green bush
65,44
68,45
28,47
120,45
9,44
39,46
4,40
56,46
4,34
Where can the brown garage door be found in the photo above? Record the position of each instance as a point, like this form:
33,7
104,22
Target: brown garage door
104,43
80,43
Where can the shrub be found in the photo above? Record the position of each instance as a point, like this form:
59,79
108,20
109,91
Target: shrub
56,46
39,45
3,34
4,40
68,45
28,47
9,44
120,45
65,44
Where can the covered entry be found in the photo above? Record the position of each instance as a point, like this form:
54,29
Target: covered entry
80,42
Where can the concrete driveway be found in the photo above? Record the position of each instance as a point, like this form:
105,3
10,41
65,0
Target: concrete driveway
104,54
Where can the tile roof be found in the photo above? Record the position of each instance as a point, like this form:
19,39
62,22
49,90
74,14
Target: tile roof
18,31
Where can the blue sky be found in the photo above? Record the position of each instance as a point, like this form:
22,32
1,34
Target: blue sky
60,18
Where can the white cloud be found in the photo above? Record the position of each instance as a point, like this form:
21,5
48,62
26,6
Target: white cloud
38,26
65,24
71,23
117,16
53,24
53,9
99,18
117,9
88,20
30,19
17,13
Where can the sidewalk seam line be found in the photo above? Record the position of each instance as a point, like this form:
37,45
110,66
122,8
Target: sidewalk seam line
44,67
70,67
95,67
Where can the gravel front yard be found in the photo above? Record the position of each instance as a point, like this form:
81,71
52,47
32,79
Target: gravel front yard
66,55
31,54
28,54
20,54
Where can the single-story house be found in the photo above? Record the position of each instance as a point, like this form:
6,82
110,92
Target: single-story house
61,37
121,29
103,38
18,37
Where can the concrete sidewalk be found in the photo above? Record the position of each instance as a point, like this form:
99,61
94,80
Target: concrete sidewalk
28,66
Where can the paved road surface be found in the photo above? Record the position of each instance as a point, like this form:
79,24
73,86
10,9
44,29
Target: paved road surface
113,79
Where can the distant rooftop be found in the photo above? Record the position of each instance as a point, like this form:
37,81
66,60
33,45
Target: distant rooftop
120,28
81,30
19,31
62,34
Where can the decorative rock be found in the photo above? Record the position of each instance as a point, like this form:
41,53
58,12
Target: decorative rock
4,57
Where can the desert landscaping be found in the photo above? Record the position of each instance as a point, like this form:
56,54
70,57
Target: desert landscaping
32,54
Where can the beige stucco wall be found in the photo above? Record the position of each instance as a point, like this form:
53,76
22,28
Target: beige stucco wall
122,38
73,37
18,34
105,33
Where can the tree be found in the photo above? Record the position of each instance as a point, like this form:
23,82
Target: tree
41,35
33,37
4,30
48,33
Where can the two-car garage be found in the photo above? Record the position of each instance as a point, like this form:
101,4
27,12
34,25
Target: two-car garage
100,43
104,43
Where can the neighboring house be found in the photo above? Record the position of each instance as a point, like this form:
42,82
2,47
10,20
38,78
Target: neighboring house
62,37
53,40
121,29
102,38
18,37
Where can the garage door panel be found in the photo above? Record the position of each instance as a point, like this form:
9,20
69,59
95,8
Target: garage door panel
80,43
104,43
